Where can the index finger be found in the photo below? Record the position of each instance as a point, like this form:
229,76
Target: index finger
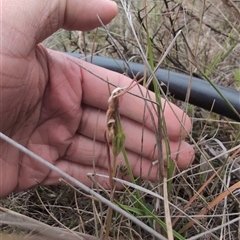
96,94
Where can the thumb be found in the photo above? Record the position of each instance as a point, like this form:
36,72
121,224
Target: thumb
75,15
36,20
83,15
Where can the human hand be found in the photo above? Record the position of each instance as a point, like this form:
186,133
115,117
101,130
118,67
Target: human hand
57,109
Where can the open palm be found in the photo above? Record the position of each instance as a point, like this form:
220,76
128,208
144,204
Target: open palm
57,109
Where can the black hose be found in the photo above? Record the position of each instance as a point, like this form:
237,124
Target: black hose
202,94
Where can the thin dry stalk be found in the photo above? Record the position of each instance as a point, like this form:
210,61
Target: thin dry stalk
114,134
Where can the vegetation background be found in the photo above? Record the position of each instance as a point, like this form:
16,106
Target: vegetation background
209,191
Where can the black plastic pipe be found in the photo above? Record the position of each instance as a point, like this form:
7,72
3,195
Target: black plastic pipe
202,94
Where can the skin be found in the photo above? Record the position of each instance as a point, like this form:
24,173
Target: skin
55,108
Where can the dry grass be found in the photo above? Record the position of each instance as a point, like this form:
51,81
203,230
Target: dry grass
209,191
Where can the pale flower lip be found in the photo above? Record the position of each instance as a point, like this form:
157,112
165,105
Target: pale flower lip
115,92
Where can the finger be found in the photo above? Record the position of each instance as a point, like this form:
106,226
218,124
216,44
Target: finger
74,15
96,94
138,140
79,172
82,172
94,153
39,19
83,15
